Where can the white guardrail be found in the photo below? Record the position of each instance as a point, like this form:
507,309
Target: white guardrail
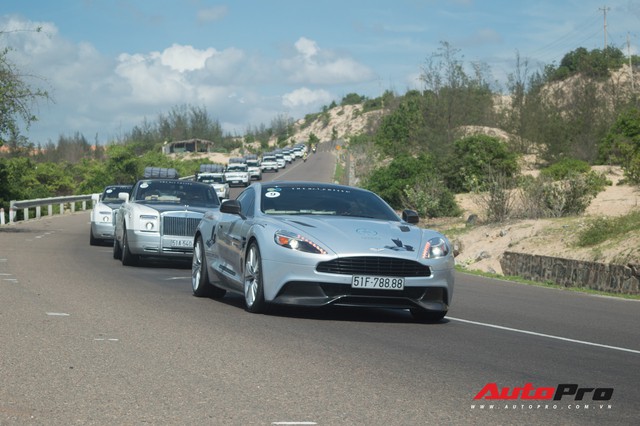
66,204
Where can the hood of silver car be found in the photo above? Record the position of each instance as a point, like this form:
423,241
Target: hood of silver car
163,208
360,236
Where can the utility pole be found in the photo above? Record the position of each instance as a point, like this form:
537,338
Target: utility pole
630,64
604,10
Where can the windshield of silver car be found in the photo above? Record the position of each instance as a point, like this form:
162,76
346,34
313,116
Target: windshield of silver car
324,200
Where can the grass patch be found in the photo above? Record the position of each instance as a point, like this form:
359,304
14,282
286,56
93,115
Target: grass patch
339,174
603,229
546,284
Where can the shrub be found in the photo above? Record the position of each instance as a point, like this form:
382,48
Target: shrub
474,159
565,167
412,182
544,197
431,198
498,200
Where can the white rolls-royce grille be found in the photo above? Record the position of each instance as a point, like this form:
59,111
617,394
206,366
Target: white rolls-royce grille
374,265
182,226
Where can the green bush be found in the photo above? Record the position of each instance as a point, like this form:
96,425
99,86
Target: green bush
565,167
413,182
430,198
545,197
622,145
474,160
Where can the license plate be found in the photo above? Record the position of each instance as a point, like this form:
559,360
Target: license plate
180,243
378,283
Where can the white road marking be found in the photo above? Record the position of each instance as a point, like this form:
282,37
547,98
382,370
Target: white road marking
294,423
549,336
177,278
58,314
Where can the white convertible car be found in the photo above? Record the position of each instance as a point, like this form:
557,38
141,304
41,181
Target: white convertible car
317,244
104,205
160,216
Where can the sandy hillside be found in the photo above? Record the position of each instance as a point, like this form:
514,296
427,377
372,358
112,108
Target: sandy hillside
482,246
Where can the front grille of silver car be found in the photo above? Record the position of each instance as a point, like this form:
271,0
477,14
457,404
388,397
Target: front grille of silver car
181,226
374,265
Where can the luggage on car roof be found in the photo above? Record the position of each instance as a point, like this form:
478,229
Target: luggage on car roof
160,172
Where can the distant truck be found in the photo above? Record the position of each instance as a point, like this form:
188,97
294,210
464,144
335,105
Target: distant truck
213,174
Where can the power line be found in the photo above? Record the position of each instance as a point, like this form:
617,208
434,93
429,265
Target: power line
568,36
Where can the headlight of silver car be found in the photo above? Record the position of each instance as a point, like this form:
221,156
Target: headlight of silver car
149,223
297,242
436,247
105,216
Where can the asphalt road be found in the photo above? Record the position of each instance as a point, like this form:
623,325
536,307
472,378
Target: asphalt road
86,341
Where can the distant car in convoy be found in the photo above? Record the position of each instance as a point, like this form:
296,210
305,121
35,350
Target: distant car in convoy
237,172
282,163
104,206
253,166
160,215
213,174
316,244
269,163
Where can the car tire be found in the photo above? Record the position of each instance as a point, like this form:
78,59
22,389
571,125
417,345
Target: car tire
128,258
427,316
117,251
93,241
252,280
199,275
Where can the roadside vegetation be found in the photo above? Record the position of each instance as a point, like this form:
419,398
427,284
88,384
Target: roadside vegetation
602,229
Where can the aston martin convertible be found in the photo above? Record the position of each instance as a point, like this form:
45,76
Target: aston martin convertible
316,244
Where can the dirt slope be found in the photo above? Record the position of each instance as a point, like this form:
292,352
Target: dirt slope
483,245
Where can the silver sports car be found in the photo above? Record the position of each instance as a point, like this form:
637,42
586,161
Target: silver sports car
316,244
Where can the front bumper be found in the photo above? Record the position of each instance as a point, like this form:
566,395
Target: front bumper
153,244
102,230
299,283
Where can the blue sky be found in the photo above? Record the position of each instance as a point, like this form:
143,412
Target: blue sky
109,65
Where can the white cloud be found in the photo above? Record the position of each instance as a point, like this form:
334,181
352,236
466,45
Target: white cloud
185,58
307,48
150,81
226,65
312,65
304,97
